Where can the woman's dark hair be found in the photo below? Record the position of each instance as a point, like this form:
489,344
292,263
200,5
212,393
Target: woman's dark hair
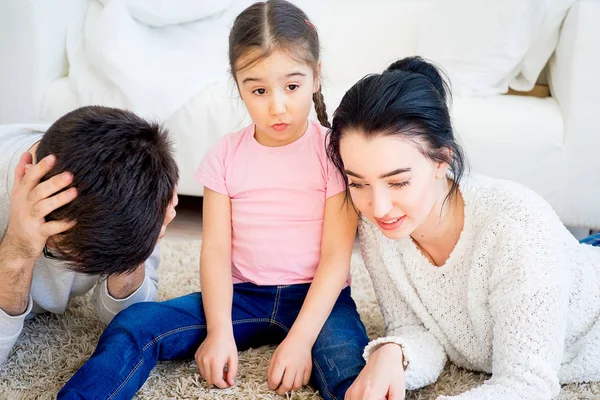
125,175
276,25
409,99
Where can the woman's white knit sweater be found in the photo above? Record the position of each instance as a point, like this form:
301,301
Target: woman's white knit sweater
518,297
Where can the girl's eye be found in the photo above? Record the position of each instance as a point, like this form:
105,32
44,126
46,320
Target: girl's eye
356,185
399,184
293,87
259,91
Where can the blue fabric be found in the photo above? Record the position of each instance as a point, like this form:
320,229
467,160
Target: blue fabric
145,333
593,240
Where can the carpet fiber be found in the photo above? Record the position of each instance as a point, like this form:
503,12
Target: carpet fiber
52,347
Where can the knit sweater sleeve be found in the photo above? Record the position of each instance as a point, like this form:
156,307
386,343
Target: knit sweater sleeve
528,303
421,349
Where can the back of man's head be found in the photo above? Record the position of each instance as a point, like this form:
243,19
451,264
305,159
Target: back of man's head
125,175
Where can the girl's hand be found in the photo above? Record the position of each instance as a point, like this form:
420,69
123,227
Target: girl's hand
382,377
217,359
290,366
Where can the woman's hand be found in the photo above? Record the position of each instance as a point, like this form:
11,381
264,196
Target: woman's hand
382,377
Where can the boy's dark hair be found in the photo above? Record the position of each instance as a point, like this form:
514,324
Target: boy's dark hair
276,25
125,175
409,100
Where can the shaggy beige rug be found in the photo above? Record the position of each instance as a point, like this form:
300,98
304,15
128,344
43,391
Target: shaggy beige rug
52,347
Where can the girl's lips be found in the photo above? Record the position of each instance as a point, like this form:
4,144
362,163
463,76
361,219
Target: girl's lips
390,224
279,127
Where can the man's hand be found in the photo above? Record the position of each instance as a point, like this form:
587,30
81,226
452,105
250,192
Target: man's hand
28,232
31,201
217,351
381,378
290,366
124,285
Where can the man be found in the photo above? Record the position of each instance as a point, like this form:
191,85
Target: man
82,205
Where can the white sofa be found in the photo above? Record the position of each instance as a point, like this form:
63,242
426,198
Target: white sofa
550,144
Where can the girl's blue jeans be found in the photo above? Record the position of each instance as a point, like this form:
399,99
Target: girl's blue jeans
145,333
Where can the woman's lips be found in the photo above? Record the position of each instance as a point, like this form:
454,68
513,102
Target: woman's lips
390,224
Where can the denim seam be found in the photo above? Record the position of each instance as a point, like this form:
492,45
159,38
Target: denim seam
320,371
276,305
269,320
137,366
153,341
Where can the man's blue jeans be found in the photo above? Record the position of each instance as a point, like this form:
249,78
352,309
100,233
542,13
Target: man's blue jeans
145,333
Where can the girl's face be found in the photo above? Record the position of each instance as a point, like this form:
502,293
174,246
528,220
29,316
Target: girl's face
277,92
391,182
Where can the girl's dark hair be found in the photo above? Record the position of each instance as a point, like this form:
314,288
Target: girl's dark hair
276,25
125,175
409,99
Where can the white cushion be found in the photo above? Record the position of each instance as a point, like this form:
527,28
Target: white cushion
115,59
542,46
159,13
515,137
359,38
480,43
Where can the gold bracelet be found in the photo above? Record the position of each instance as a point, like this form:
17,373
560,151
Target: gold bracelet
404,360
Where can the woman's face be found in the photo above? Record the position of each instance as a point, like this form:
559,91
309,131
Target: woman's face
391,182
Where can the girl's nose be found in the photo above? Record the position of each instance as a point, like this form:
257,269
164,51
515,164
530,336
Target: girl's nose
278,105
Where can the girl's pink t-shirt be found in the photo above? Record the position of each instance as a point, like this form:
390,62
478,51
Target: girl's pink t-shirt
277,203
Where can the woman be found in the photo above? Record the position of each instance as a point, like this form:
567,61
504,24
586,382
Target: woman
476,270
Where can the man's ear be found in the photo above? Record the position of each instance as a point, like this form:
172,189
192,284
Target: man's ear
33,151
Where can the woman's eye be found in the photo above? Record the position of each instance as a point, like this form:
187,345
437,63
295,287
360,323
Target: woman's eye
356,185
399,184
260,91
293,87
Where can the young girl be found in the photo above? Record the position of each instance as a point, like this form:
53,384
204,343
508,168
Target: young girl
277,239
470,268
